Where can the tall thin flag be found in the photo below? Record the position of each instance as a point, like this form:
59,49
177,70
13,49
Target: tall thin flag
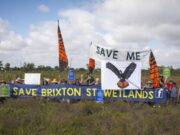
91,64
63,60
154,72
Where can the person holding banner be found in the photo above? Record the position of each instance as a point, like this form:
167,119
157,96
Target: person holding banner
19,80
169,87
178,95
77,82
4,92
162,81
81,79
148,85
174,93
89,80
54,81
97,81
45,81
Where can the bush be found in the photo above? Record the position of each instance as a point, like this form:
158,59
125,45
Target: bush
36,116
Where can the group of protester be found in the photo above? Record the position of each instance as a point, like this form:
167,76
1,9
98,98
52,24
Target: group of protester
173,93
82,80
87,80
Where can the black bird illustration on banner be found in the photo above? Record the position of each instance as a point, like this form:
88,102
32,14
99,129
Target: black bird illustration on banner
123,76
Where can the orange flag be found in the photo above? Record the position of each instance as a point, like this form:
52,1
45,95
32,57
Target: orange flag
91,65
63,60
154,72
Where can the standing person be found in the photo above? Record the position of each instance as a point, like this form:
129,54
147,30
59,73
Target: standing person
169,87
54,81
161,82
77,82
174,93
178,95
81,79
4,91
89,80
19,80
45,81
97,81
148,85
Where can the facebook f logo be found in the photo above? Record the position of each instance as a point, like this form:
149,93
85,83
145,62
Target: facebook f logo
159,93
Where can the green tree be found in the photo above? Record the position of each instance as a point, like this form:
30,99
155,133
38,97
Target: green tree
48,68
41,67
82,70
1,65
29,66
56,67
7,66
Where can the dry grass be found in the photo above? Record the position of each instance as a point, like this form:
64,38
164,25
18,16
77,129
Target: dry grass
35,116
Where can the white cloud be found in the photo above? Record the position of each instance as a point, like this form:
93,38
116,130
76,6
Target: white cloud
126,24
9,40
42,44
43,8
11,44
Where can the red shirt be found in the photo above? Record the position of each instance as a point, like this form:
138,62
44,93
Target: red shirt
169,85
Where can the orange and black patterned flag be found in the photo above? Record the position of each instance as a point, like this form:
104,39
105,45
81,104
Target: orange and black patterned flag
154,72
91,65
63,60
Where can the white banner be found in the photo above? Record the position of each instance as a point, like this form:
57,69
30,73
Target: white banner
99,52
32,78
121,75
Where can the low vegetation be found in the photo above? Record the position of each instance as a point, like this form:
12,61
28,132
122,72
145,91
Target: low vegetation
36,116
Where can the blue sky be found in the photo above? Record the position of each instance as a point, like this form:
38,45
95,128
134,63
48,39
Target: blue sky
22,13
28,28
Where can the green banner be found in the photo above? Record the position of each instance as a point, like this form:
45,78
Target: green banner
166,72
4,90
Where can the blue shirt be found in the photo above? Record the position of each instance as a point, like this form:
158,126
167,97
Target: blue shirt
173,92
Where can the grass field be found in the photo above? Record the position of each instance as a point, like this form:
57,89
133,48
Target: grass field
37,117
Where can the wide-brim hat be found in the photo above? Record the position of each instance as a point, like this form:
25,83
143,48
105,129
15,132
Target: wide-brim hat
149,82
46,79
2,81
19,79
54,81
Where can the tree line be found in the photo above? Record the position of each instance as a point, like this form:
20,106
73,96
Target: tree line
31,67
